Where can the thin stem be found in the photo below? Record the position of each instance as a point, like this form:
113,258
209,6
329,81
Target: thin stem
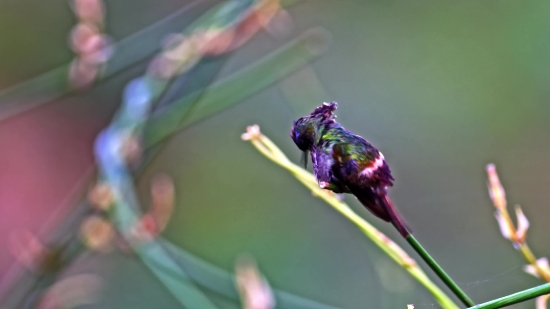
515,298
530,257
523,247
439,271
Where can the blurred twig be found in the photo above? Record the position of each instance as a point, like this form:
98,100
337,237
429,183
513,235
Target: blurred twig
396,253
253,287
141,90
249,80
119,146
518,236
89,42
54,84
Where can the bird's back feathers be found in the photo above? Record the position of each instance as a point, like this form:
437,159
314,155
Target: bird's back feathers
345,162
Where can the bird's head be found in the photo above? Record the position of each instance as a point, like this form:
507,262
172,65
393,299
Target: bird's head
306,130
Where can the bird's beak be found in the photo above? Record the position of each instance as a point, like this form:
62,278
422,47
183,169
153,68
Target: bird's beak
304,158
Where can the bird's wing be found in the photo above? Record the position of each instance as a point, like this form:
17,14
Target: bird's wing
361,162
324,172
356,150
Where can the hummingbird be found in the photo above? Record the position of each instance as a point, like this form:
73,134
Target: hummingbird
344,162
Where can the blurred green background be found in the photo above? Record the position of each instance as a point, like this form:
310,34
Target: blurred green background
442,88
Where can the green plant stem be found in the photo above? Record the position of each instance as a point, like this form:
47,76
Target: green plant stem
515,298
439,271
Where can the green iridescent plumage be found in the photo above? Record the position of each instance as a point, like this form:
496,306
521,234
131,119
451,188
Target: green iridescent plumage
345,162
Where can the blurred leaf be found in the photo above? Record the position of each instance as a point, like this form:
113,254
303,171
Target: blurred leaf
173,277
237,87
223,282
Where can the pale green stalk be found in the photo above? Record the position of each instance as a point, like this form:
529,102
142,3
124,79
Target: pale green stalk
396,253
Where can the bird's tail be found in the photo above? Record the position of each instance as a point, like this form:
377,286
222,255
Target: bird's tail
380,205
396,218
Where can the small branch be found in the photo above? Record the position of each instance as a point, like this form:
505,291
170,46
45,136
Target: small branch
515,298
